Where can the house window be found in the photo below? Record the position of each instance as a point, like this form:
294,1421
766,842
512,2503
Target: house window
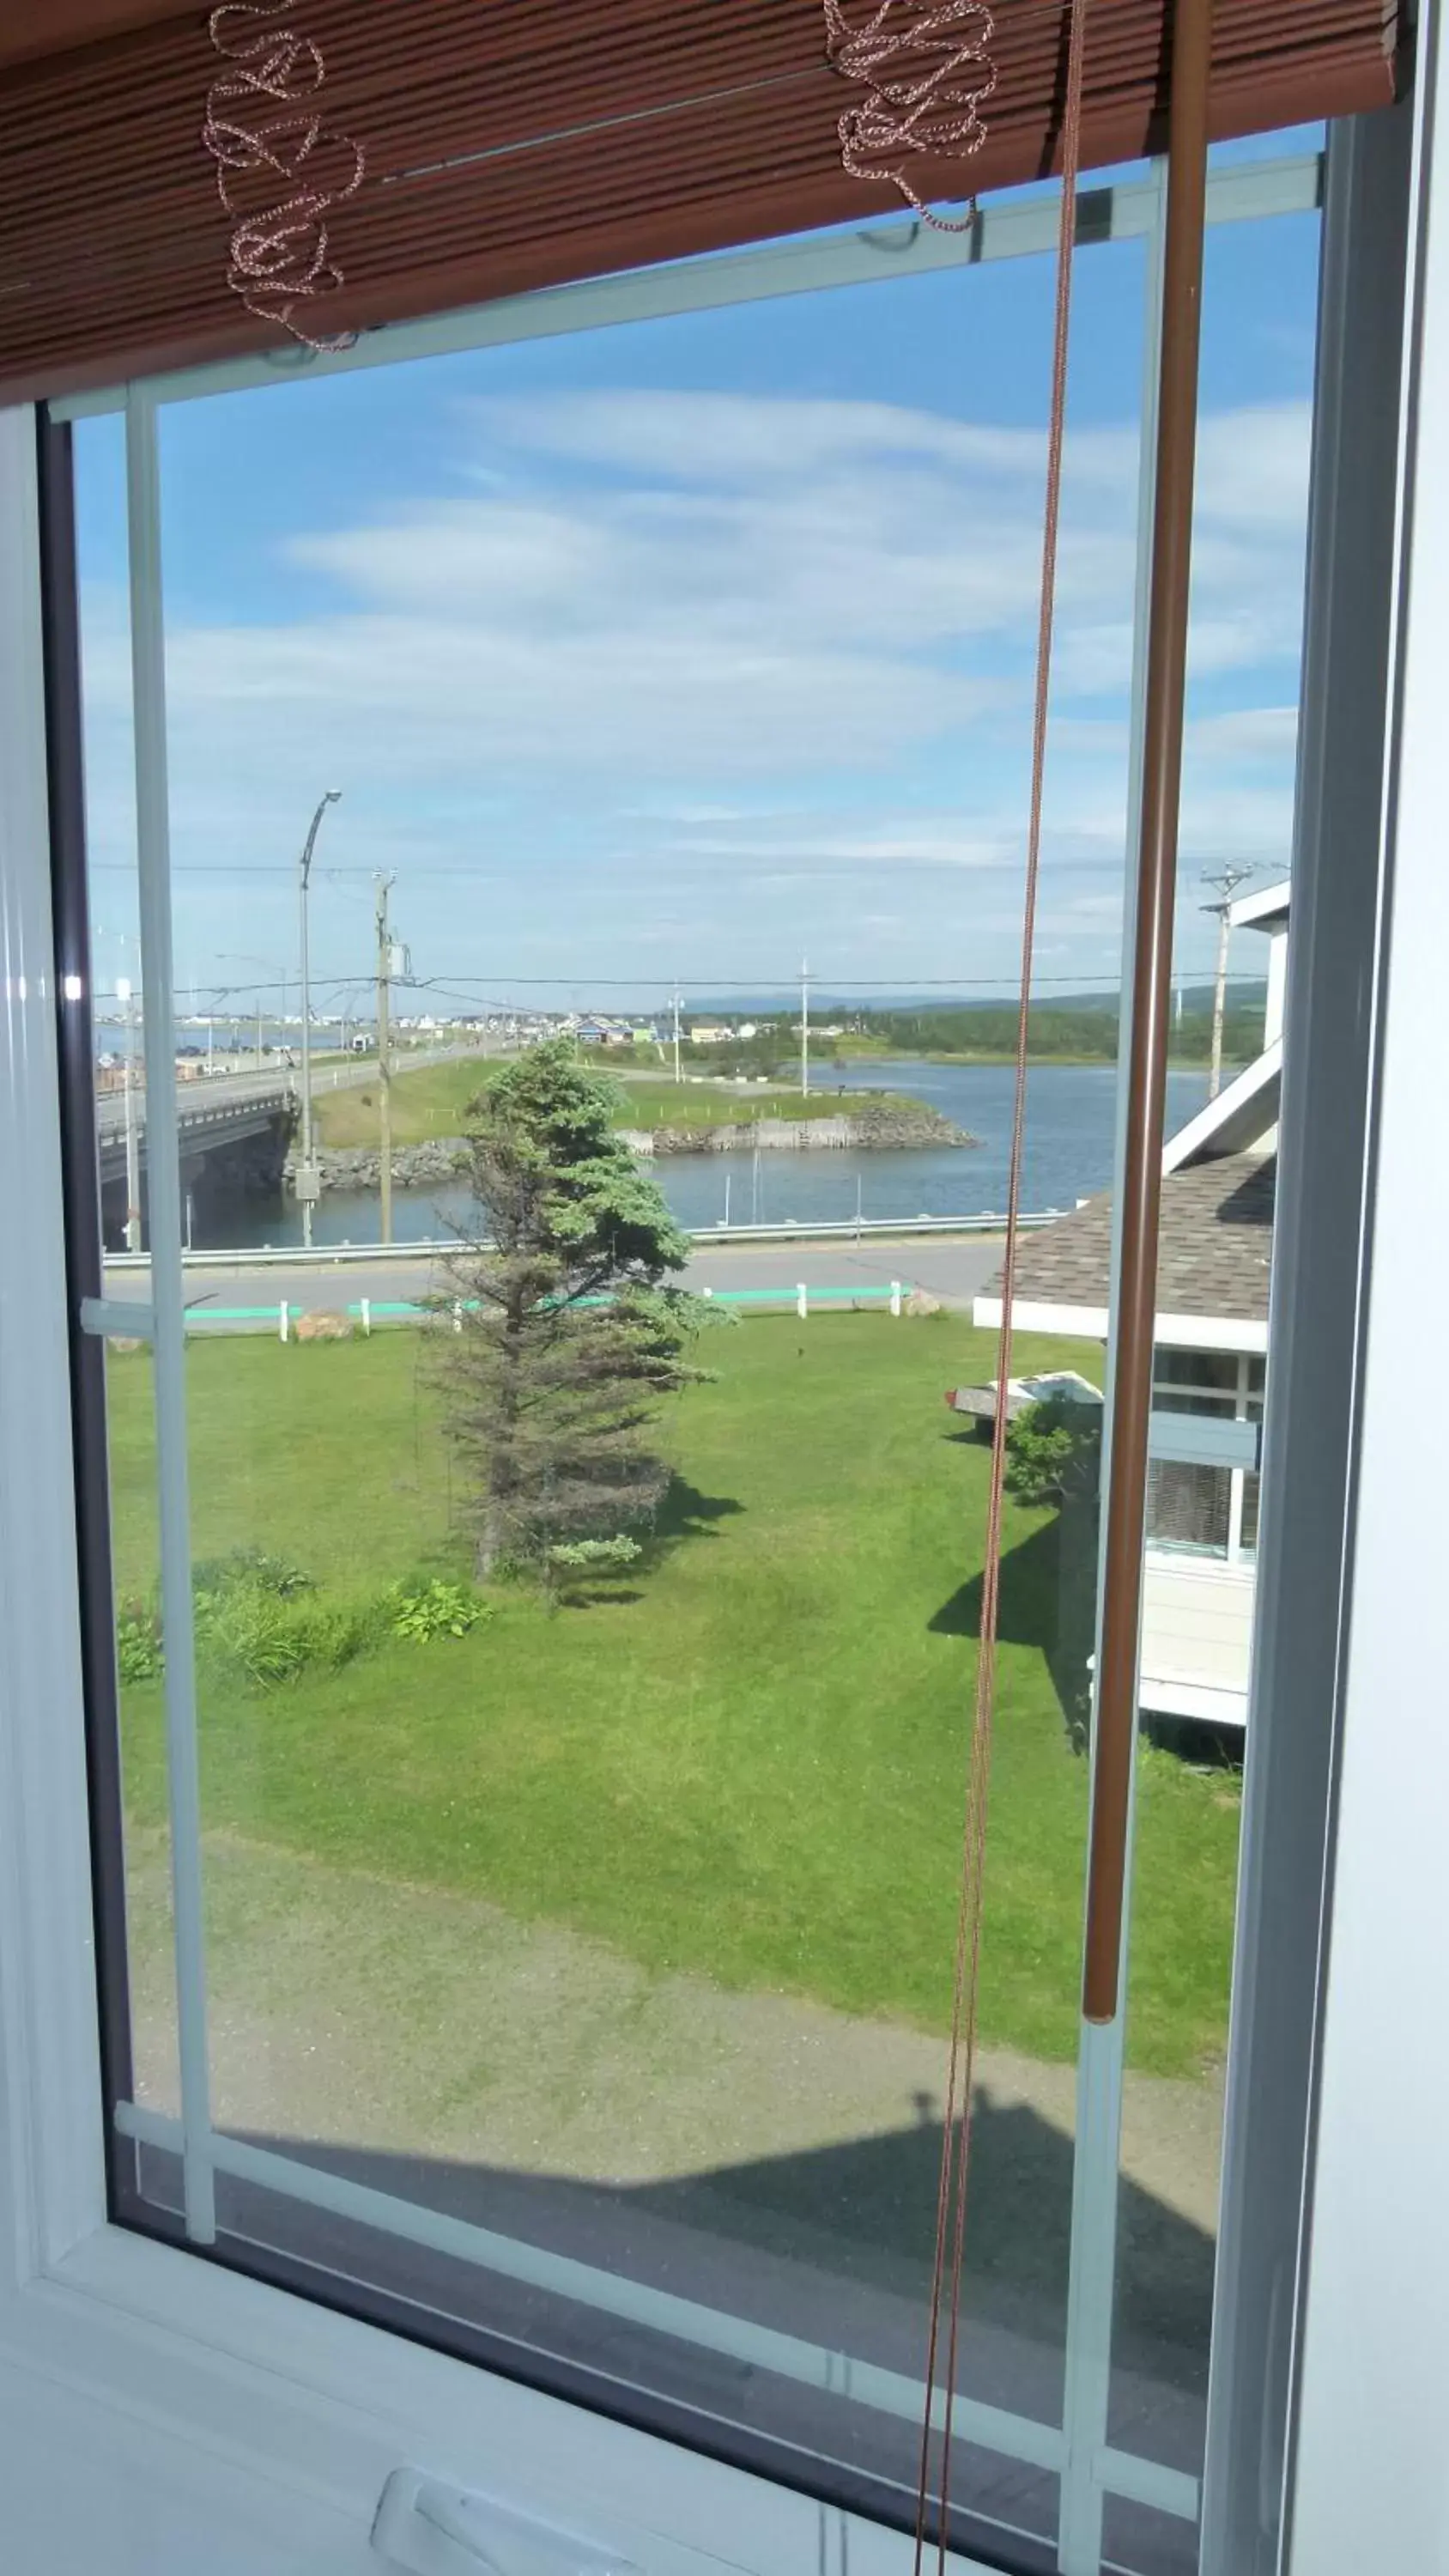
1189,1507
536,1929
1194,1508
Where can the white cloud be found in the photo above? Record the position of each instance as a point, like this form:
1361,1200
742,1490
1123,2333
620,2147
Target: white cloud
650,616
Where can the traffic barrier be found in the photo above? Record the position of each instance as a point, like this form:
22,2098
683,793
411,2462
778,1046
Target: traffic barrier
368,1310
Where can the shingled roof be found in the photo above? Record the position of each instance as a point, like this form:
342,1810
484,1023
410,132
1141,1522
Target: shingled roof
1214,1250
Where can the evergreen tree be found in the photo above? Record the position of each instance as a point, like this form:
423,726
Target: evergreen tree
551,1396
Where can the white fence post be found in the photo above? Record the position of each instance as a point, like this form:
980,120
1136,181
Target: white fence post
366,1305
895,1296
282,1321
802,1301
457,1314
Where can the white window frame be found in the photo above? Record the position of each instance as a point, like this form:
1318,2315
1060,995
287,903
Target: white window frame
215,2378
1233,1404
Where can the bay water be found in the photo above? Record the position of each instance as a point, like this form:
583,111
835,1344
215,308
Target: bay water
1070,1135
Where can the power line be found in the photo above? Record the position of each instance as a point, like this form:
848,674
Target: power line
843,988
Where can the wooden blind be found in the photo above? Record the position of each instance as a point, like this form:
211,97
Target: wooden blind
514,144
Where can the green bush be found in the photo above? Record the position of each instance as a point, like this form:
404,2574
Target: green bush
1052,1450
140,1655
259,1617
271,1638
252,1566
594,1555
437,1609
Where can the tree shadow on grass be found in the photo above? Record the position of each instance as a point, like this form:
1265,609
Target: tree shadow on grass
684,1513
687,1513
596,1592
1048,1599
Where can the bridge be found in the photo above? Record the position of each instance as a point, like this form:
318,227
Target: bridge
233,1132
234,1129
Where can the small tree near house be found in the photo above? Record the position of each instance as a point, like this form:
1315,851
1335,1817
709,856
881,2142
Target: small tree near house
551,1397
1053,1451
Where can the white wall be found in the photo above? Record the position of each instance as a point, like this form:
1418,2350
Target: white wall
1372,2488
1197,1628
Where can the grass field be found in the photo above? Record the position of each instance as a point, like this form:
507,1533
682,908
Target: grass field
434,1101
749,1764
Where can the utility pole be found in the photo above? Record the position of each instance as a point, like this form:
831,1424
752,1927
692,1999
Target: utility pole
384,1055
307,1184
805,1028
678,1076
133,1142
1224,885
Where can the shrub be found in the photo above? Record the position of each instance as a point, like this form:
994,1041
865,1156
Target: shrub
594,1555
140,1655
437,1609
259,1617
252,1566
271,1637
1053,1450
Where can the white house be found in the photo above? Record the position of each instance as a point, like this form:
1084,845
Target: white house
1219,1176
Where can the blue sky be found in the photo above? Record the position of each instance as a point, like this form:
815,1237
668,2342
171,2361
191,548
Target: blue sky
691,647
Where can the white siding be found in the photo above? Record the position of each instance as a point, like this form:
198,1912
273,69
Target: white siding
1197,1628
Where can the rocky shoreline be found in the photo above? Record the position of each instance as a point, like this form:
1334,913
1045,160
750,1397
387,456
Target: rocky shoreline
877,1127
882,1127
414,1167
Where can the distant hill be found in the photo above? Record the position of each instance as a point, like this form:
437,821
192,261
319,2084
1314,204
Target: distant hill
828,1003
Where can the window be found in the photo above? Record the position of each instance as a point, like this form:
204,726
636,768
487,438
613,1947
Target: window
536,1918
1140,2525
1192,1506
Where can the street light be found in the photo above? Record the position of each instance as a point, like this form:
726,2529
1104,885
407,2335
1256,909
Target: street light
306,1182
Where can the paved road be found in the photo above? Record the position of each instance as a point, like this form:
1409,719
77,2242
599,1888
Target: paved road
274,1082
953,1269
222,1091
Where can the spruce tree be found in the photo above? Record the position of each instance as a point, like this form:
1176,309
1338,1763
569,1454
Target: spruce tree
563,1331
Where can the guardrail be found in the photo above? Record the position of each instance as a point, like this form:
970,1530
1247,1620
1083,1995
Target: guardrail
367,1311
338,1255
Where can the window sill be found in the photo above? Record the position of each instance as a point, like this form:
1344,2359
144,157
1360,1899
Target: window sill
317,2409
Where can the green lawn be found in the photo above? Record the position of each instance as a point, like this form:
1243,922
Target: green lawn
433,1101
751,1768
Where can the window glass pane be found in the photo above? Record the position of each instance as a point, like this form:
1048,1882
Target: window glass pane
1196,1370
120,1485
1199,1602
1188,1507
140,1662
609,1938
583,1685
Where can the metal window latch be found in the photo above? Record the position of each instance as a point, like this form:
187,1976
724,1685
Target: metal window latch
432,2528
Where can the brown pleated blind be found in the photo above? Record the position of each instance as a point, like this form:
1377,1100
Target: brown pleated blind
514,144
